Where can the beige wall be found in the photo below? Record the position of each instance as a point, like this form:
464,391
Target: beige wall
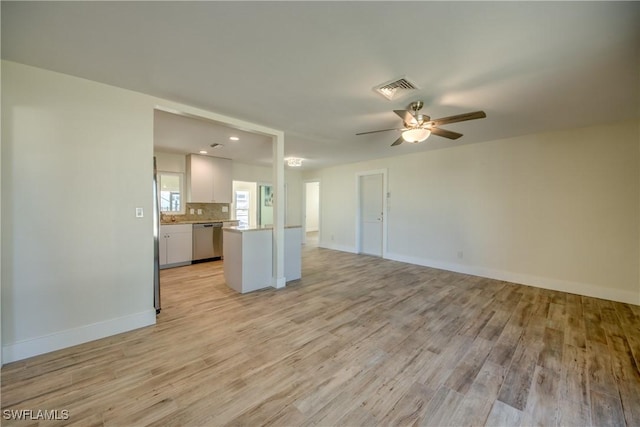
170,162
557,210
76,163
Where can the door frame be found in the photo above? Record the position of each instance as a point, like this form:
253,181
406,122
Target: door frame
259,204
385,211
278,279
260,184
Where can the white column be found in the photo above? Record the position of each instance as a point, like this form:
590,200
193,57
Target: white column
279,280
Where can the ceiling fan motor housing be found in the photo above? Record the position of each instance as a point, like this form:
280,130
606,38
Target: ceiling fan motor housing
416,106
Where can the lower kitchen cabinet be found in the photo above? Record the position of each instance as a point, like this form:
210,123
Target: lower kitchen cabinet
176,247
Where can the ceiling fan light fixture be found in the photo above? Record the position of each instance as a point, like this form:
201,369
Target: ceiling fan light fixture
416,135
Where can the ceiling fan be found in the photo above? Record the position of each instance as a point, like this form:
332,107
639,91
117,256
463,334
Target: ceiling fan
418,127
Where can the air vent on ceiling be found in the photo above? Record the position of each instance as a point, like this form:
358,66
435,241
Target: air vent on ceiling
396,88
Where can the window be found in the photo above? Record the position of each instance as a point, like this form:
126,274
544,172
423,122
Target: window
241,202
170,192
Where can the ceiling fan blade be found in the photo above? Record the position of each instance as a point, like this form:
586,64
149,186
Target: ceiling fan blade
459,118
445,133
398,142
376,131
406,116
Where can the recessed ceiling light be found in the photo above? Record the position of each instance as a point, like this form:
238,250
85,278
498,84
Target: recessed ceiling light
234,138
203,152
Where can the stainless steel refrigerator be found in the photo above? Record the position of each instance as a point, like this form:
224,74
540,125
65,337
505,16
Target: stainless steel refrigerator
156,240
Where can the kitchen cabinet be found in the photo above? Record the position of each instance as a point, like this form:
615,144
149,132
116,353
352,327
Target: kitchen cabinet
248,254
208,179
176,245
222,182
229,223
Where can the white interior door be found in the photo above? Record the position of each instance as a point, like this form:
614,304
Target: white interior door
312,206
371,214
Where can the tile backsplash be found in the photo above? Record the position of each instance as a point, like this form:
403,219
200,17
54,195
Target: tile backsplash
210,211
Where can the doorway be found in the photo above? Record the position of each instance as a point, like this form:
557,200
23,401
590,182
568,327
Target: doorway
265,205
371,235
312,213
244,206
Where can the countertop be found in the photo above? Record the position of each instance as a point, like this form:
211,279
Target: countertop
201,221
242,229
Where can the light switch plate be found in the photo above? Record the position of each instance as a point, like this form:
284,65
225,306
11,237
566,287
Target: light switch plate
192,211
139,213
225,209
199,211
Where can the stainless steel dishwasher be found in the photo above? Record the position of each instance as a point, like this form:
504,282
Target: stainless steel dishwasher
207,241
202,241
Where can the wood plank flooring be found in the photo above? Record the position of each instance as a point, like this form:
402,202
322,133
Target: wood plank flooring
357,341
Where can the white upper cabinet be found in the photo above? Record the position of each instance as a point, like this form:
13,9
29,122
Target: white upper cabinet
222,183
208,179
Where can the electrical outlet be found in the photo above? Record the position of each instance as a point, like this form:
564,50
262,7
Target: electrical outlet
460,254
199,211
139,213
192,211
332,237
225,209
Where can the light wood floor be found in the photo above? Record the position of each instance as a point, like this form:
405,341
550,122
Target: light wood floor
357,341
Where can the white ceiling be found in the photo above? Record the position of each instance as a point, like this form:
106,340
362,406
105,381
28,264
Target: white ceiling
308,68
182,134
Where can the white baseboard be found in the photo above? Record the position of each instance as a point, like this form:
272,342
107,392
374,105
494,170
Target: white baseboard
70,337
336,247
585,289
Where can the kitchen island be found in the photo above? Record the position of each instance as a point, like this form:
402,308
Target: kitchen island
248,256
